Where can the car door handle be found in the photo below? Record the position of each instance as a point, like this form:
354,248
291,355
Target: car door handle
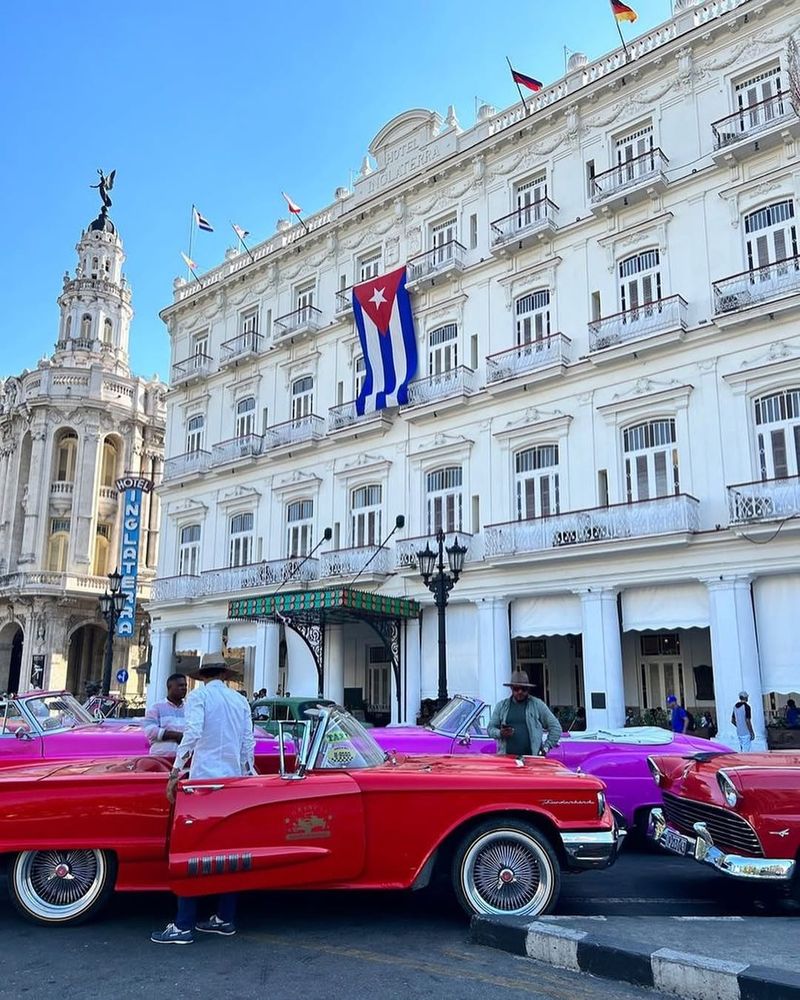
191,789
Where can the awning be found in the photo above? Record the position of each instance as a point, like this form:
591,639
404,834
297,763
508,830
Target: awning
187,639
241,634
675,605
336,604
557,614
777,603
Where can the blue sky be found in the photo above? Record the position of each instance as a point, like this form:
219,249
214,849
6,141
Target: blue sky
225,105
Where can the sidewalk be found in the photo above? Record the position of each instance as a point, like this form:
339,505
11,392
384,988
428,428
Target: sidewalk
696,958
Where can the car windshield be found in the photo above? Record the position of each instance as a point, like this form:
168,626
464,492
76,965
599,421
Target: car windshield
57,712
455,717
347,744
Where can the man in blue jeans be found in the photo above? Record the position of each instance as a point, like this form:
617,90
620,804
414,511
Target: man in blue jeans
218,736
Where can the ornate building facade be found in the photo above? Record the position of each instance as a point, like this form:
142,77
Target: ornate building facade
606,287
68,428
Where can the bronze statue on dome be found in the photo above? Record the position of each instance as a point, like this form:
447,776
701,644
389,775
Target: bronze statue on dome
104,186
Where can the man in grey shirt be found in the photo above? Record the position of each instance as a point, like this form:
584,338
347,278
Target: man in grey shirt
523,725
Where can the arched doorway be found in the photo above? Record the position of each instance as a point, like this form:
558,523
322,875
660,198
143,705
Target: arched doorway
85,658
11,641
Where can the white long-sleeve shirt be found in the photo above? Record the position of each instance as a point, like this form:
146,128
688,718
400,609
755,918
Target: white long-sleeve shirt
163,716
218,733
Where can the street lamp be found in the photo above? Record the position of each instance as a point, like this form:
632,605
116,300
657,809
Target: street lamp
111,604
440,583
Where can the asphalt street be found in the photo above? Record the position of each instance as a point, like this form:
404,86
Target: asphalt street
323,945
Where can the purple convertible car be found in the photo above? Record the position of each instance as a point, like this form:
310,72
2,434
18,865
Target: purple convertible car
617,756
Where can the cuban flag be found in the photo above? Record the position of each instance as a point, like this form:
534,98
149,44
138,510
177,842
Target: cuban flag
382,310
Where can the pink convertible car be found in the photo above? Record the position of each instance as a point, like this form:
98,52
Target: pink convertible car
617,756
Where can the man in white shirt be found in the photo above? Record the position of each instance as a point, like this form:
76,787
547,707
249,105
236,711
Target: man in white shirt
164,720
218,736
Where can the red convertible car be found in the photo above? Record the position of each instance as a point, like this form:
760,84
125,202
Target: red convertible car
346,816
739,813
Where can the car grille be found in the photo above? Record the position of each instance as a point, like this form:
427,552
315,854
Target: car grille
730,832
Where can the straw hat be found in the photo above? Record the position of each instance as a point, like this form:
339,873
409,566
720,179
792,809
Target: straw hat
212,665
519,679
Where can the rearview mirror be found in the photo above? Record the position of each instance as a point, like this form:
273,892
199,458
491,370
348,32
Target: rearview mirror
300,733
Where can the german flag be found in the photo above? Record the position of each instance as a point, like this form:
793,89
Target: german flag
622,12
526,81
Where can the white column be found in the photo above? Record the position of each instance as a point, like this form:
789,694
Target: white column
160,664
410,676
85,503
210,638
333,678
734,656
265,672
32,535
494,649
602,659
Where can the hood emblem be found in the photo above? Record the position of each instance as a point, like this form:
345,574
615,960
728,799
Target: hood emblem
780,833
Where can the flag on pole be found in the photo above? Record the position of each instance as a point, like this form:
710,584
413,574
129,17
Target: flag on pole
188,262
202,222
293,208
526,81
382,311
241,233
622,12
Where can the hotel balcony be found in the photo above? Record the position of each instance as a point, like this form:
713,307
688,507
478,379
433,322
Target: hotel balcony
230,579
664,515
188,464
175,588
759,126
443,391
300,323
236,449
427,268
245,346
652,324
343,302
523,227
350,562
302,430
52,583
62,488
627,183
764,500
405,549
198,366
345,421
532,362
752,294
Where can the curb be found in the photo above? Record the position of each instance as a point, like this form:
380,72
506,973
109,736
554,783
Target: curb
692,977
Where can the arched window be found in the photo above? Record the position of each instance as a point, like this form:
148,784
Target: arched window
102,543
444,502
241,540
108,468
536,481
189,551
778,434
95,266
66,454
651,460
443,349
365,515
58,545
86,327
194,432
108,331
245,417
533,318
299,528
68,328
639,283
302,397
770,236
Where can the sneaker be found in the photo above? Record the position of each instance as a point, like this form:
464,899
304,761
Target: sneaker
216,926
171,935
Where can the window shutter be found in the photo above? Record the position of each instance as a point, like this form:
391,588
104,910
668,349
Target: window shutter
779,454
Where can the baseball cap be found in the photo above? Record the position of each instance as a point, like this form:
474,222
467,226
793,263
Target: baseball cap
672,700
743,696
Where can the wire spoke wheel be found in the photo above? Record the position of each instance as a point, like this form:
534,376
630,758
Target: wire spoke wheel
60,886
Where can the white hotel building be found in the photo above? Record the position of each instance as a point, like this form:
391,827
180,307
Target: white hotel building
606,294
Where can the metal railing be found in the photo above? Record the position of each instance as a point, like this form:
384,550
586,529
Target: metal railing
305,318
238,347
764,500
554,349
405,549
262,574
629,174
447,256
597,524
175,588
344,300
348,562
752,120
524,221
650,317
188,462
757,285
236,448
196,365
307,428
453,381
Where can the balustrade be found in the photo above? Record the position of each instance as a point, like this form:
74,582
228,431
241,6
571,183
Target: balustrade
761,284
554,349
764,500
453,381
633,324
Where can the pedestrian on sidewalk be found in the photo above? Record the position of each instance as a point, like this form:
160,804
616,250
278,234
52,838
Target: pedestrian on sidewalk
523,725
164,721
741,718
679,717
219,739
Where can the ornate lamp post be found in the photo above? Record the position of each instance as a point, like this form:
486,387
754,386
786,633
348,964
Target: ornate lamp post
440,583
111,604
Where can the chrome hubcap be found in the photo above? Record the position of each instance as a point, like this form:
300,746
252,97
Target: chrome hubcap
59,884
506,871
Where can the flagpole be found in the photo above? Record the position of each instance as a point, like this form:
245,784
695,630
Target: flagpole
624,46
191,237
241,240
521,95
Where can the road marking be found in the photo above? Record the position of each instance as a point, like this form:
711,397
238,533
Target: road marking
568,900
708,918
576,916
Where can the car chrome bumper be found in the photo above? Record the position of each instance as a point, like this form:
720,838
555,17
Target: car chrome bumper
592,849
702,849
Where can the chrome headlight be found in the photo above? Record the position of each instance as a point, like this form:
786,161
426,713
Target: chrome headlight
601,803
728,789
656,771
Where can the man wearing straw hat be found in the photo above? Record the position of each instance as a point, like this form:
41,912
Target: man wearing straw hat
522,724
218,737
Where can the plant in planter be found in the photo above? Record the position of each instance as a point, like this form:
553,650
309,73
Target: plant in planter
783,737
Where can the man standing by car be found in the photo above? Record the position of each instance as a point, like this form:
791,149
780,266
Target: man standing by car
163,721
523,725
741,719
679,717
219,739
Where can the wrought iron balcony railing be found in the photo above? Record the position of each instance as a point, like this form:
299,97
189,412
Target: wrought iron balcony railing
525,358
175,588
629,174
752,120
243,346
349,562
452,382
764,500
405,549
648,318
234,449
263,574
304,320
307,428
196,366
445,257
189,462
525,221
344,300
761,284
